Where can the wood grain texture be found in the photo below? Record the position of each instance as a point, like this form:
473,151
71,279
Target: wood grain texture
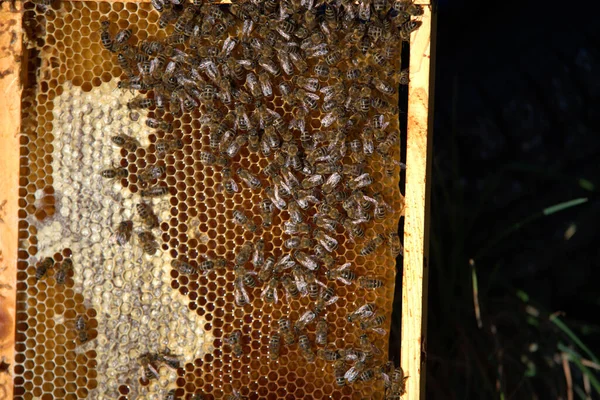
416,225
10,115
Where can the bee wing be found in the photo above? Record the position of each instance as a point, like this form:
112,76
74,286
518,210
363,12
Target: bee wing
332,300
344,280
380,331
351,373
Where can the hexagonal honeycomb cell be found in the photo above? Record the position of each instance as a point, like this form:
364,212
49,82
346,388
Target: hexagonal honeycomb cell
194,175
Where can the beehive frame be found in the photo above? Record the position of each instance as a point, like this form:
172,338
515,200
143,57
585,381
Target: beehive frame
416,211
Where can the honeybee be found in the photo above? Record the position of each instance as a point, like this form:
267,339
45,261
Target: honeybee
275,197
155,191
329,243
306,260
234,340
147,215
408,28
339,370
368,282
170,395
328,355
367,375
325,223
296,242
266,208
372,245
81,326
243,254
364,311
373,324
305,347
149,365
252,181
207,265
353,229
269,293
398,382
243,278
65,267
43,267
266,271
274,346
321,331
150,173
127,142
342,274
105,37
353,373
285,327
183,267
291,289
239,218
148,242
395,244
168,145
123,232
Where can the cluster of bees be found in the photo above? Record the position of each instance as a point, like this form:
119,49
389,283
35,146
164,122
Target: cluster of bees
338,60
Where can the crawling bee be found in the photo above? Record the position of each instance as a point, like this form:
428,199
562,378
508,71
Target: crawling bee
362,312
43,267
105,37
234,340
140,102
305,347
342,274
82,329
321,331
64,269
368,282
353,373
170,395
127,142
372,245
150,173
329,243
114,173
269,293
266,271
123,232
243,278
328,355
183,267
374,324
168,145
159,124
291,289
252,181
274,346
239,218
285,327
243,254
339,370
155,191
395,244
147,215
148,242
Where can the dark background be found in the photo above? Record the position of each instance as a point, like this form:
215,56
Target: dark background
517,116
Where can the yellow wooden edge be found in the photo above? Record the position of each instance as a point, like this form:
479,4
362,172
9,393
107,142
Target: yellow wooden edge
10,115
416,222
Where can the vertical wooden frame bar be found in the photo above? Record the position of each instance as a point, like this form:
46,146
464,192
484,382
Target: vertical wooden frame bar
417,199
10,116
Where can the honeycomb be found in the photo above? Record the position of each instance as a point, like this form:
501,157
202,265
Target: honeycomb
132,303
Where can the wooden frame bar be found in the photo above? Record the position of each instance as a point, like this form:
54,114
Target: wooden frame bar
10,115
416,227
417,202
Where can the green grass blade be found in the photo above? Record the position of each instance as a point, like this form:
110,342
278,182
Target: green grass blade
563,327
